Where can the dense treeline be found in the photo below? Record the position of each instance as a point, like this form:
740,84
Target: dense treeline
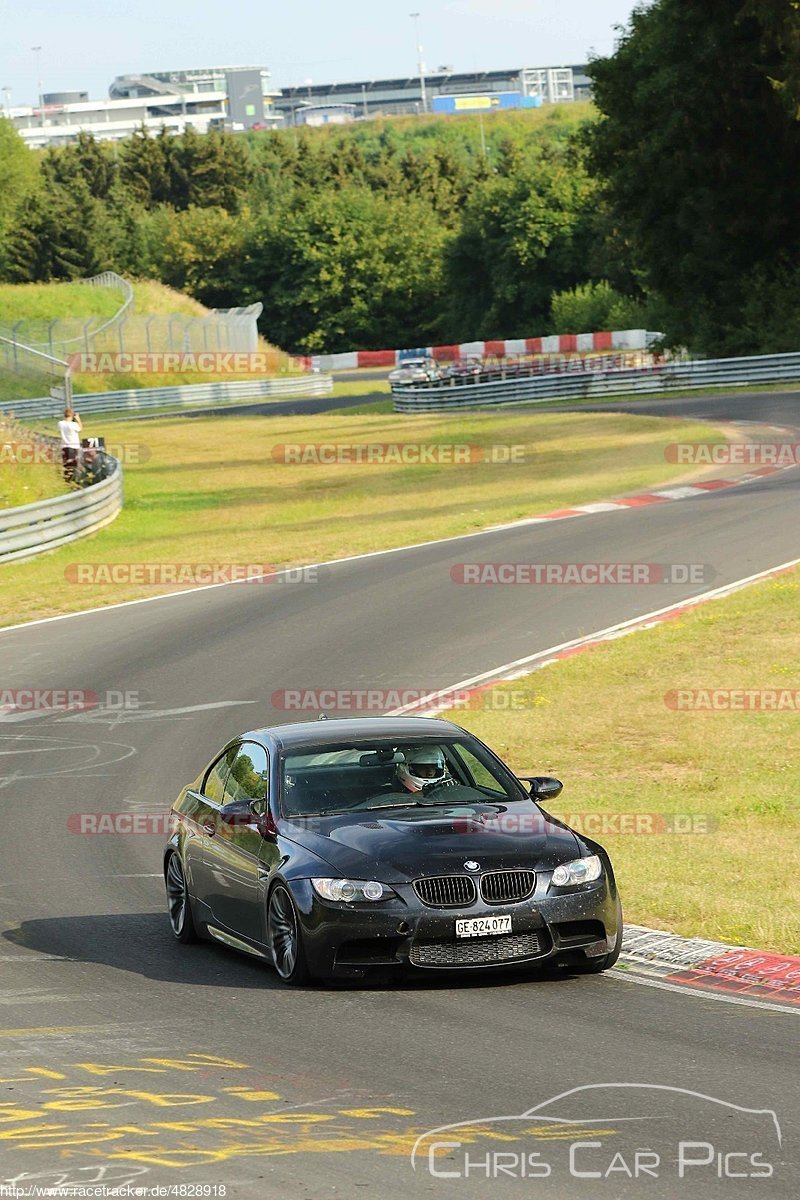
381,234
673,206
699,151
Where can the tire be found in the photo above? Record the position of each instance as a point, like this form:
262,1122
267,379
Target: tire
594,966
285,938
179,904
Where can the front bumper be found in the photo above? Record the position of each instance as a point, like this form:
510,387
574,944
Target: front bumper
351,939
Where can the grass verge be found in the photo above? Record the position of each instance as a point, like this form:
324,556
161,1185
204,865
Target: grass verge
602,722
24,477
211,491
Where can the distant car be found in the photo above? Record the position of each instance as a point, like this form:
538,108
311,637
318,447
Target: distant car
466,370
332,848
416,370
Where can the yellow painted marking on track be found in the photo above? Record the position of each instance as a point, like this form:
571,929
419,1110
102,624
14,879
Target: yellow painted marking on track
175,1157
246,1093
196,1062
367,1114
44,1071
75,1098
564,1132
9,1111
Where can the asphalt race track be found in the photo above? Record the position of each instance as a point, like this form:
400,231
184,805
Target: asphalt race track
128,1059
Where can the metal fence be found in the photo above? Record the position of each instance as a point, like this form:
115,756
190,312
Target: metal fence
47,524
197,396
24,370
224,329
598,385
64,335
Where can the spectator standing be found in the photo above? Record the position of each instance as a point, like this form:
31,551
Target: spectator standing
70,430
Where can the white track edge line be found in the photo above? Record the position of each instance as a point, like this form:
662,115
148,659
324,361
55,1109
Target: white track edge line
715,594
333,562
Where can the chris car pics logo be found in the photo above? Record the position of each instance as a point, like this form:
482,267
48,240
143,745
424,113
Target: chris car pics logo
617,1132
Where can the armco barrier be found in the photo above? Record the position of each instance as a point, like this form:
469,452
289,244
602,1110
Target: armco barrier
35,528
520,387
197,395
557,343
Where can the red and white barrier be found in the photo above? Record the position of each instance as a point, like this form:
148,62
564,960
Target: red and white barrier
558,343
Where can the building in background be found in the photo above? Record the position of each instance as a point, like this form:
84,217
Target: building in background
204,98
403,96
326,114
240,98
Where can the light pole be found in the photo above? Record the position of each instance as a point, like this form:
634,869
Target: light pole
415,18
37,50
7,94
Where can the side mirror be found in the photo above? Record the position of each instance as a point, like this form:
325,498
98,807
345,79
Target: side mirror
543,787
264,822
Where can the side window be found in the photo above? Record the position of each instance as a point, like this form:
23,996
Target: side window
214,782
248,778
481,776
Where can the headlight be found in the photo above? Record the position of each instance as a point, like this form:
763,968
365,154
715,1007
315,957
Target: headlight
581,870
350,891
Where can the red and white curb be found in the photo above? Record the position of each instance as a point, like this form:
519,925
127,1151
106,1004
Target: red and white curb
558,343
642,499
738,971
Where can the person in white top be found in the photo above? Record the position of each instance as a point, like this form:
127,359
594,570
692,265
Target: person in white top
70,430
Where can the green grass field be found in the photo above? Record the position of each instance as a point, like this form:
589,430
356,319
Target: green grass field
211,491
601,722
23,481
42,302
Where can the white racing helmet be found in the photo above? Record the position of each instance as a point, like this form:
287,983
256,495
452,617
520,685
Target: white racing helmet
421,767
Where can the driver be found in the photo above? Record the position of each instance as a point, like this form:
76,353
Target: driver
422,767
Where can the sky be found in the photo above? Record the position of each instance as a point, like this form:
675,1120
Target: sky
85,43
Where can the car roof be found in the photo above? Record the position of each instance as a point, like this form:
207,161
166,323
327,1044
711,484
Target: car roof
315,733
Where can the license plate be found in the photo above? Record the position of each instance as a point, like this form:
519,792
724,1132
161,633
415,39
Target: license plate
472,927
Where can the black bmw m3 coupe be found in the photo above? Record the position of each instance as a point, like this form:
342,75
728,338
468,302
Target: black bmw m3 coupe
334,848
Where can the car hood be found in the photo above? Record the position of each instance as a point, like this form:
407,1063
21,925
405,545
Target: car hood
411,843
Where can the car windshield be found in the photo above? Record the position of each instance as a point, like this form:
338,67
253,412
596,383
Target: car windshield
330,779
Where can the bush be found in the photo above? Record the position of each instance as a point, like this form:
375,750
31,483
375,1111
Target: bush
591,307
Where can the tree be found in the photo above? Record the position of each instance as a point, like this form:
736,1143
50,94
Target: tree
196,251
85,159
19,178
701,160
338,270
66,235
780,20
523,236
144,167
